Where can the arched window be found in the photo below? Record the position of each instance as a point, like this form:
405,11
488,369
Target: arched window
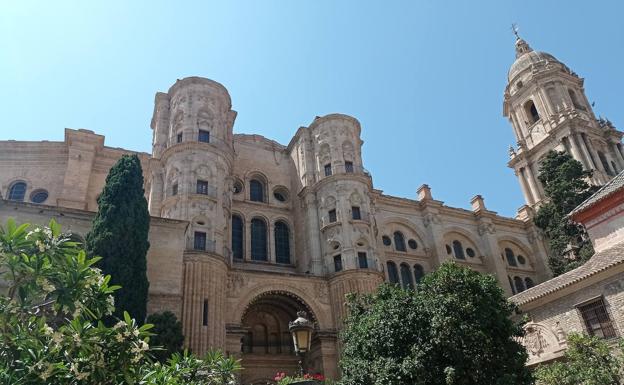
258,240
337,263
17,191
513,289
519,284
256,191
575,100
237,237
399,241
406,276
529,282
605,164
393,273
459,250
282,242
531,112
419,273
511,258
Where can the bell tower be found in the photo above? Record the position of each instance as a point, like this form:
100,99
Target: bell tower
546,105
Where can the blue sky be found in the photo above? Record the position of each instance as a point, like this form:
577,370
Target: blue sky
424,78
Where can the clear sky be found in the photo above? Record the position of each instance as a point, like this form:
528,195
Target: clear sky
424,78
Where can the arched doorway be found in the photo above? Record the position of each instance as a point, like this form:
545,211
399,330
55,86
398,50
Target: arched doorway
267,346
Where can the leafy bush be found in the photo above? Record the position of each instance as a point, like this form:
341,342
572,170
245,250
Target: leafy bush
52,301
167,334
455,328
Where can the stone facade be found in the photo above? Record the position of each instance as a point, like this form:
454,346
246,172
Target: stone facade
246,231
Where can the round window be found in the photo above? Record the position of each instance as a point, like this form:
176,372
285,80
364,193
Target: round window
470,252
279,196
39,196
412,244
238,187
521,259
386,240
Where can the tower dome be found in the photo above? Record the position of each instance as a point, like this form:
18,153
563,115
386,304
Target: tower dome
527,58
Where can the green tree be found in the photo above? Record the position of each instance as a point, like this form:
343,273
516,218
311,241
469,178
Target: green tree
587,361
565,186
455,329
119,235
167,334
50,329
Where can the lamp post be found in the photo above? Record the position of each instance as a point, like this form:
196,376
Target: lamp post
301,330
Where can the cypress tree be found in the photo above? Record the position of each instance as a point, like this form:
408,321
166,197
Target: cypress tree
565,186
119,235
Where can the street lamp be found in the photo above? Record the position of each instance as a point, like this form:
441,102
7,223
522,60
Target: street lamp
301,330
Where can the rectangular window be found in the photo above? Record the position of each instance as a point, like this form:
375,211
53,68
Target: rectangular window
362,260
204,136
355,213
205,313
179,138
597,320
337,263
199,242
174,189
332,216
202,187
328,169
349,167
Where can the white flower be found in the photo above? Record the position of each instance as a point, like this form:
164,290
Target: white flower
47,330
47,373
119,325
57,337
119,338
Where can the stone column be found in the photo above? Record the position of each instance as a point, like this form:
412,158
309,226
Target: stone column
577,154
313,226
523,186
535,192
576,138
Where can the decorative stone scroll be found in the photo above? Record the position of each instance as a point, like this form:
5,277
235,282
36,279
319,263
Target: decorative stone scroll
542,343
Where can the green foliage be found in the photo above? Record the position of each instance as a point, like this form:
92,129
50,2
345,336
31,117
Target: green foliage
587,361
454,329
119,235
51,304
184,369
565,185
167,334
49,317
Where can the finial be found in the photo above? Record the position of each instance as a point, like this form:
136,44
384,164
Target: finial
515,29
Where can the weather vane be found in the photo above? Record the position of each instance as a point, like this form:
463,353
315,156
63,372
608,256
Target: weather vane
514,28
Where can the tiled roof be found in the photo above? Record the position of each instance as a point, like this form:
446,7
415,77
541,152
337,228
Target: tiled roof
601,261
612,186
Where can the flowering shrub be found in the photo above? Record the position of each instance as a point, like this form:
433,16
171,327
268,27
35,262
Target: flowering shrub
51,304
282,379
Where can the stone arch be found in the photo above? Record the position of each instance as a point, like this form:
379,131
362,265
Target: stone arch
467,240
322,318
409,229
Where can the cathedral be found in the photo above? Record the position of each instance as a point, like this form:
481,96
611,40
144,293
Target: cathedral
245,232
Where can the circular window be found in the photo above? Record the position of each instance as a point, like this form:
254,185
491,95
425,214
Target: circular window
39,196
238,187
448,250
412,244
280,194
386,240
470,252
521,259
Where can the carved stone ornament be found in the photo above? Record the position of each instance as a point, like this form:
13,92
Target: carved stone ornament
542,343
486,228
431,218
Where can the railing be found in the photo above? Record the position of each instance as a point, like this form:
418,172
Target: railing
344,169
209,190
201,245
